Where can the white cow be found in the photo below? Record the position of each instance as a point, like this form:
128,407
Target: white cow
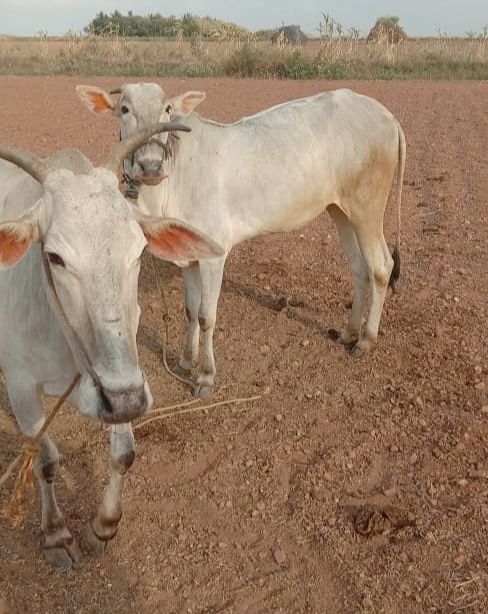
271,172
70,305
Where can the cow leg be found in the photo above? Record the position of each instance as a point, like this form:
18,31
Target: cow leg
211,272
193,293
59,547
359,272
380,264
106,522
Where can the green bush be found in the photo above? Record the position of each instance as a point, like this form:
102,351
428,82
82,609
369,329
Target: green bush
155,25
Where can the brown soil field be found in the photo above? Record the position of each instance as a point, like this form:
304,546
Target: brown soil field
254,508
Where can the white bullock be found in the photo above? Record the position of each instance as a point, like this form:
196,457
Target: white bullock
272,172
70,256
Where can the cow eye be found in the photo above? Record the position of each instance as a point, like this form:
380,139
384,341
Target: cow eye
55,259
124,109
168,109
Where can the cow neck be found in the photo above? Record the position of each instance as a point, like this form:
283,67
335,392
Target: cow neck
71,331
132,190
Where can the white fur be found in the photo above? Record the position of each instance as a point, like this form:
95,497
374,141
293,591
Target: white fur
86,221
83,219
273,172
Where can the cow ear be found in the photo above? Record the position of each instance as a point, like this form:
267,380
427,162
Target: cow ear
173,240
16,238
184,104
95,99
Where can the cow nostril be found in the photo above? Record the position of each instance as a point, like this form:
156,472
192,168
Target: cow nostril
107,405
124,405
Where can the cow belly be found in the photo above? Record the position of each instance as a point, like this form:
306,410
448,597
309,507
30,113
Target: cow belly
300,215
280,219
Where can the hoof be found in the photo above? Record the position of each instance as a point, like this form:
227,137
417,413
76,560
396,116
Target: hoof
355,350
63,557
363,346
203,391
344,338
97,546
333,334
181,371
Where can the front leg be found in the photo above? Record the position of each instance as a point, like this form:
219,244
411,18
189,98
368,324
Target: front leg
211,272
104,526
193,293
58,545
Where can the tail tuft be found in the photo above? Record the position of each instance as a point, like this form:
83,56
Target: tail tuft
395,273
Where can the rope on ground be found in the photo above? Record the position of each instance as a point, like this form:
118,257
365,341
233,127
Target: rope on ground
24,494
166,321
167,412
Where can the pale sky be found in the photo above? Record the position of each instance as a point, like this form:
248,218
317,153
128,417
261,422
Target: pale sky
418,17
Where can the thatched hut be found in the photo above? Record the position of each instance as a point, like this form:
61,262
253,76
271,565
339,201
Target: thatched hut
289,35
386,29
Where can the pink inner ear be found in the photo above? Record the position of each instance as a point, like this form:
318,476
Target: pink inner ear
177,243
99,102
174,241
11,249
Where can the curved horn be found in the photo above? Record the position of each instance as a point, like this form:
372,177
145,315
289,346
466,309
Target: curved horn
34,165
126,147
117,90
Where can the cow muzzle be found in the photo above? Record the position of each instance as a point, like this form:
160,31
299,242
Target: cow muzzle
150,180
151,172
123,405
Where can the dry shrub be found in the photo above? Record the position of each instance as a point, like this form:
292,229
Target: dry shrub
269,62
339,53
90,53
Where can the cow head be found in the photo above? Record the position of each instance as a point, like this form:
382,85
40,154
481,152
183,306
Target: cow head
138,106
92,240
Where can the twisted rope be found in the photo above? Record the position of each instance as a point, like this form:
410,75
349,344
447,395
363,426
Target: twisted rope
24,494
166,320
163,413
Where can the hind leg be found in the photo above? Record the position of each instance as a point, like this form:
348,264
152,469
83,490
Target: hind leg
379,265
359,272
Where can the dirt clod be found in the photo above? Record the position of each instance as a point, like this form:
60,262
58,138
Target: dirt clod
279,556
375,520
414,457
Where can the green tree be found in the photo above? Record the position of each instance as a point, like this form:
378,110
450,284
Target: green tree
157,25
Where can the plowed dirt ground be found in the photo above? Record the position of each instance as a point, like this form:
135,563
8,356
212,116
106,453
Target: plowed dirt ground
250,509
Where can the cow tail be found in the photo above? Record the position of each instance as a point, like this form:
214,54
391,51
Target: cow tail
402,151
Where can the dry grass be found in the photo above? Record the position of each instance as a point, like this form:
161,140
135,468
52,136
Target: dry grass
337,54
